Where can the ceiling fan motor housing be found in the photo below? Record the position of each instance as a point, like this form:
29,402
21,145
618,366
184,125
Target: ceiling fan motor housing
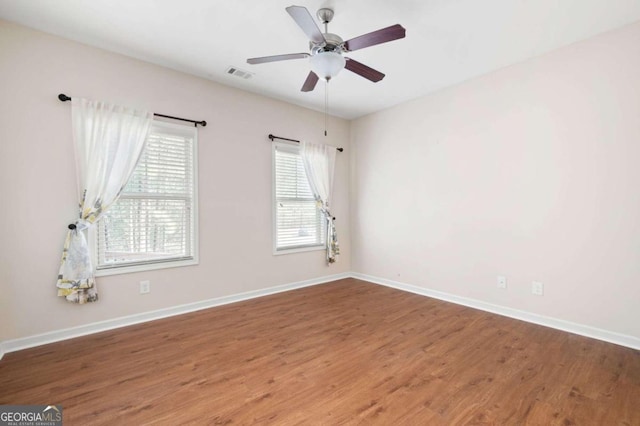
334,44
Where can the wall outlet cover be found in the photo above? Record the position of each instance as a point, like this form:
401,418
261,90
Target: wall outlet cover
537,288
502,281
145,287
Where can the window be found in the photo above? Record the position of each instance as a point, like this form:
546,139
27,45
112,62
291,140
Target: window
298,223
154,222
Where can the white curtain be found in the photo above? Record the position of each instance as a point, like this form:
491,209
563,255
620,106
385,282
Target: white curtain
108,141
319,163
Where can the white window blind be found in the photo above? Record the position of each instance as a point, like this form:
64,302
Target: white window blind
153,221
298,221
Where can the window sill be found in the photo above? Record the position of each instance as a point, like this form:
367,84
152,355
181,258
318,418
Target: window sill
143,268
297,250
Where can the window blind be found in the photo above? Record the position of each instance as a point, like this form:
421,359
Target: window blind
153,220
299,222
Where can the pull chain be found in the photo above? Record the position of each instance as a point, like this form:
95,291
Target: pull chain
326,105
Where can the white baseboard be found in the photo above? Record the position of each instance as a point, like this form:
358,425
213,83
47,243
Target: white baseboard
96,327
83,330
571,327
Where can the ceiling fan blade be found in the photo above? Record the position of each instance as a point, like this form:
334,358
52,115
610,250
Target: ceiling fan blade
305,21
384,35
363,70
310,82
275,58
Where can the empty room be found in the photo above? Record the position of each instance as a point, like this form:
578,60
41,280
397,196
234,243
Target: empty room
322,213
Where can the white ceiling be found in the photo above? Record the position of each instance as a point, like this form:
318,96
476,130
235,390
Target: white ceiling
448,41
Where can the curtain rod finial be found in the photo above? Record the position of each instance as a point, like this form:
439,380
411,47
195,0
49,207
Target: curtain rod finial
63,97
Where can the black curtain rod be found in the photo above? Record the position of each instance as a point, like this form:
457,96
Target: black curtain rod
272,137
203,123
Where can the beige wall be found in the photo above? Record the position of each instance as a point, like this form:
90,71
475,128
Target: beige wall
37,179
530,172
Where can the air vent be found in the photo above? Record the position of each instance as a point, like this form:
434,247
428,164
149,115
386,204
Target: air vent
239,73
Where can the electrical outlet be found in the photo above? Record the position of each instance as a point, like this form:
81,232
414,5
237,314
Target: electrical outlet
502,281
145,287
537,288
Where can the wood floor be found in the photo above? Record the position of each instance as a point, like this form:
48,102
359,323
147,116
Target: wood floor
347,352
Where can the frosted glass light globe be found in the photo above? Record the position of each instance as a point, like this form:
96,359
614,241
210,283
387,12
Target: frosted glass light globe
327,65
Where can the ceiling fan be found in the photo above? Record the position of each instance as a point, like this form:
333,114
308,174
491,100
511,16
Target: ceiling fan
327,49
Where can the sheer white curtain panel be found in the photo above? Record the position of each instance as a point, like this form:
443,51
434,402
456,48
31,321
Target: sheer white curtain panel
319,163
108,141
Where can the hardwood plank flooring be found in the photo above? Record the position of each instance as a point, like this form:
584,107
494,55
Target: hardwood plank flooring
347,352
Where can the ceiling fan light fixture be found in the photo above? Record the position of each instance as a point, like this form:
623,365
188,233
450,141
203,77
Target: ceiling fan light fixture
327,64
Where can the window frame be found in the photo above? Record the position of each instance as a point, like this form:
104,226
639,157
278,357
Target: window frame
291,147
158,264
